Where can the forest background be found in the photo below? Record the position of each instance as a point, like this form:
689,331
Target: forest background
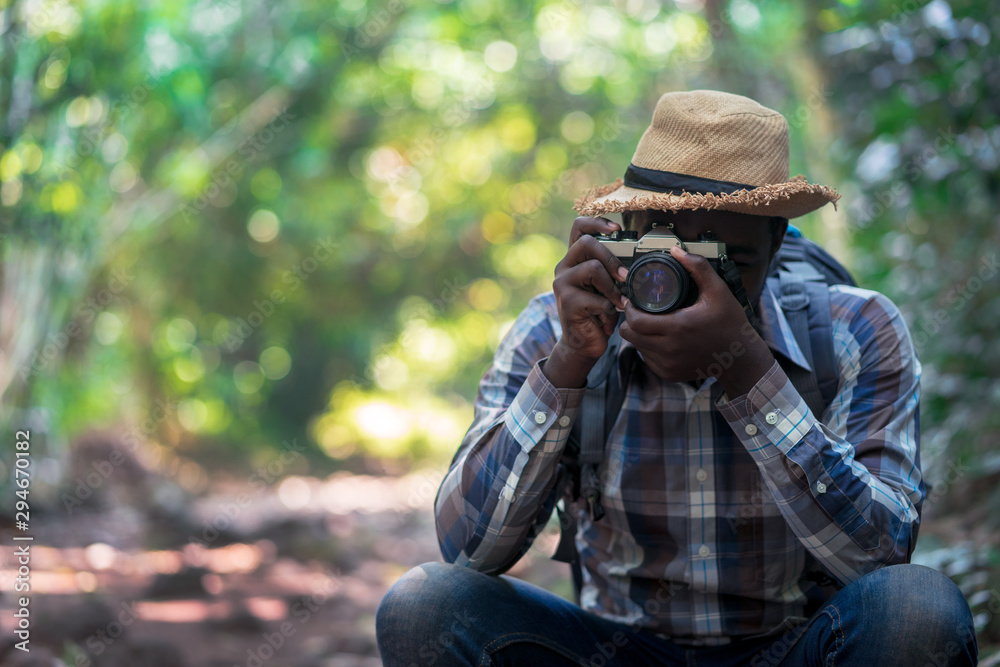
269,248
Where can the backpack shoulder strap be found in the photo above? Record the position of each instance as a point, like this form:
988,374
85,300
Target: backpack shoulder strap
824,359
800,277
804,298
585,451
601,404
796,250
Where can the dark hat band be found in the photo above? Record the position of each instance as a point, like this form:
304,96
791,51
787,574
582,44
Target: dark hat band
676,184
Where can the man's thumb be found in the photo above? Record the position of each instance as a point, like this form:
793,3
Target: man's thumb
696,265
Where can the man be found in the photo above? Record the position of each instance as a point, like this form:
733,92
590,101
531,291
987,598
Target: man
721,488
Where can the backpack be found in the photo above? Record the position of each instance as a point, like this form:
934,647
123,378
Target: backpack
800,276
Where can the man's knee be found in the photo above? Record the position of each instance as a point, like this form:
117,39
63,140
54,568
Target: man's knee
929,606
418,592
919,594
900,615
434,603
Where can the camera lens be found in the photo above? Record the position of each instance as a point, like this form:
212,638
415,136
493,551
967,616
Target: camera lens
657,283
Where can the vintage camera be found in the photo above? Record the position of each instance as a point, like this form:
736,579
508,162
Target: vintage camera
656,282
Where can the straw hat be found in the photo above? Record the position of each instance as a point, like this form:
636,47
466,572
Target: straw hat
711,150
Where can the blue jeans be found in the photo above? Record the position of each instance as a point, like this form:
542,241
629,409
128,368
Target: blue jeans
442,614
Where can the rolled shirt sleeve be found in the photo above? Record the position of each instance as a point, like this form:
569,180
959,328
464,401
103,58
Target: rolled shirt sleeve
500,488
847,482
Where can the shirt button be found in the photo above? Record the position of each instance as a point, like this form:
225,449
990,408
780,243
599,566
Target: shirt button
820,487
701,475
703,551
771,418
751,429
563,421
540,417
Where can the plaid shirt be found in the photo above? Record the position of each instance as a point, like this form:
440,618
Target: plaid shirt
715,507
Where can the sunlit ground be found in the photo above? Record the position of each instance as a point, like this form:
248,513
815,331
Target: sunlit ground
308,559
344,540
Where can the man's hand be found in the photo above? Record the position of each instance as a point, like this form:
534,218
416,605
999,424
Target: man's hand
712,337
587,299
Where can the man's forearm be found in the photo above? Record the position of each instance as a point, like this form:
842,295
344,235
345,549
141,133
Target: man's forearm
566,370
747,369
490,502
851,519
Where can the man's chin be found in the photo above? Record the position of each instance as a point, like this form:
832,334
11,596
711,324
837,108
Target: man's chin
696,381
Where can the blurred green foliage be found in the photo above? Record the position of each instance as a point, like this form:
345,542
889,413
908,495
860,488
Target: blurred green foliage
315,221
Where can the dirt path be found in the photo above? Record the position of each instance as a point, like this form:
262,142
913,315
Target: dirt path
286,576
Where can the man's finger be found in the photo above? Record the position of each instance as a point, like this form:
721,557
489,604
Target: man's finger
588,225
587,251
639,338
648,324
593,307
704,275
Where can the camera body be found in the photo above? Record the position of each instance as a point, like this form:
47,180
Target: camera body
656,282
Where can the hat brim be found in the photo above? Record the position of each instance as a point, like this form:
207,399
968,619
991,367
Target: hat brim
786,200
